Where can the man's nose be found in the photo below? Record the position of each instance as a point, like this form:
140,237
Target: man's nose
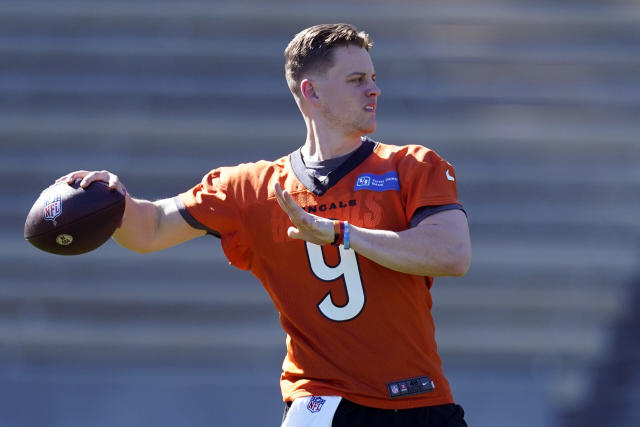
373,89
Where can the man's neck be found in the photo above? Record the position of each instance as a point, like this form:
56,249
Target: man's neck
321,146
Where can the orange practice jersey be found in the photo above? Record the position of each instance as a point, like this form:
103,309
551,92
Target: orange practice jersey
354,328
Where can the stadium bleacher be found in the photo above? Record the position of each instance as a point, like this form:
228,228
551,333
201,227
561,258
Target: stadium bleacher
535,104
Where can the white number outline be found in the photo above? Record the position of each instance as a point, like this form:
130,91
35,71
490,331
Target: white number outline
347,269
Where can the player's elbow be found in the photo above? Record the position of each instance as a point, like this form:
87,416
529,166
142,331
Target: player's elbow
460,268
461,261
134,243
454,263
457,261
133,246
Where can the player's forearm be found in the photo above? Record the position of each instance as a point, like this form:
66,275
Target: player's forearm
428,250
153,226
138,226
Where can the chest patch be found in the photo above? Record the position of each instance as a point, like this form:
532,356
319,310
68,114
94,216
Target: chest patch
386,182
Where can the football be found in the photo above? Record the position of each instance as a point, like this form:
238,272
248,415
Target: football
69,220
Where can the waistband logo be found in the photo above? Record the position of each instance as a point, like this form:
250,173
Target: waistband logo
315,404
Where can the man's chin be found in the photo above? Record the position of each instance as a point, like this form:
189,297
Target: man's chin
368,129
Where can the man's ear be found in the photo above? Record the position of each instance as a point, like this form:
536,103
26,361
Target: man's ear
308,90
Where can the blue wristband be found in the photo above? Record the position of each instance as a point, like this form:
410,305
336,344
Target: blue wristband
346,235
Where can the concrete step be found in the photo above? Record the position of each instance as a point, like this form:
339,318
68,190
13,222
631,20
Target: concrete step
532,245
403,11
533,343
82,52
167,294
171,318
545,253
156,279
216,94
201,256
499,165
48,126
564,221
547,239
214,74
503,336
33,339
99,312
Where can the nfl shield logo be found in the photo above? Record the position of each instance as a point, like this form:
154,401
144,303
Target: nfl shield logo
315,404
395,389
52,209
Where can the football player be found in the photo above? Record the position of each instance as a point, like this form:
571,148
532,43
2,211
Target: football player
346,234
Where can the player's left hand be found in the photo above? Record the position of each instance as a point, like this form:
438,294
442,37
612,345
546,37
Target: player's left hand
311,228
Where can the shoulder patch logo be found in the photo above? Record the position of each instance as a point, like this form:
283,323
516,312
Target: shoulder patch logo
315,404
449,177
386,182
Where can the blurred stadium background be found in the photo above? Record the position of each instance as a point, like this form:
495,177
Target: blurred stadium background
537,105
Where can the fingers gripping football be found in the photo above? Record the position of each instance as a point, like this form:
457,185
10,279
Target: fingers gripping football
87,177
307,227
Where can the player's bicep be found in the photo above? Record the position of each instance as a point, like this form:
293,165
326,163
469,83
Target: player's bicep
452,222
451,229
171,226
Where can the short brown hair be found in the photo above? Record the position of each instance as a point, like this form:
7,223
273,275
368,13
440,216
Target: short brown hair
311,49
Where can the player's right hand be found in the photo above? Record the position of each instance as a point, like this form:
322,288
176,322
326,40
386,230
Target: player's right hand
309,227
88,177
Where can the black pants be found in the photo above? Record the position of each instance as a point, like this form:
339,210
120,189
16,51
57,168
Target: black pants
351,414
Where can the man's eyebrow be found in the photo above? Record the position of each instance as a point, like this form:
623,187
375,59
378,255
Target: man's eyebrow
358,74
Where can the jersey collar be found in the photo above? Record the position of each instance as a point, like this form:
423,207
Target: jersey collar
319,187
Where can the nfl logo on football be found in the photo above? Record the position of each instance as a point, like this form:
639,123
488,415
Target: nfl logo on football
315,404
52,209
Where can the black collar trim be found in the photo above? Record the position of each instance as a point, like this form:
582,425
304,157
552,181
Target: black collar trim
319,187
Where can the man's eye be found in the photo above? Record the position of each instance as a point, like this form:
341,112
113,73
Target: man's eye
359,80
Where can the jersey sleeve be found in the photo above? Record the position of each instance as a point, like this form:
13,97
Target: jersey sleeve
213,205
426,179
